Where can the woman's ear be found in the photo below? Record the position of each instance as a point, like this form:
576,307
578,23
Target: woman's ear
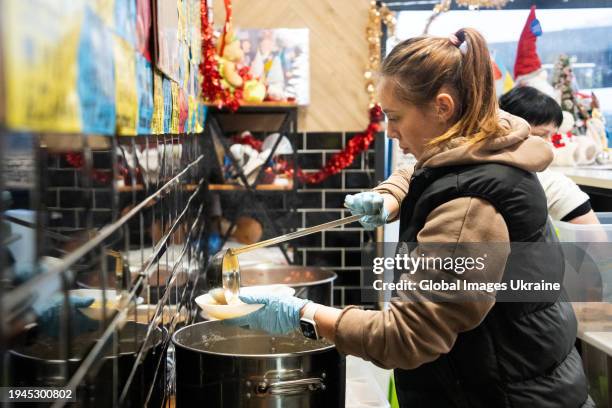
445,107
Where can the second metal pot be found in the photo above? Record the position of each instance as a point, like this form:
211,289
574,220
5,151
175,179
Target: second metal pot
311,283
36,364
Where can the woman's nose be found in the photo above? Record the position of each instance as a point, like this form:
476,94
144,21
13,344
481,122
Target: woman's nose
391,133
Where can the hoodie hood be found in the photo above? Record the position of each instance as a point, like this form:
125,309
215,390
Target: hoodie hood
515,148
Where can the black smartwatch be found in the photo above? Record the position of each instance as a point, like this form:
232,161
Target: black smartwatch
307,322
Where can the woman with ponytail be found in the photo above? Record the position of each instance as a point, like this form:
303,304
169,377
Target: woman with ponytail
473,183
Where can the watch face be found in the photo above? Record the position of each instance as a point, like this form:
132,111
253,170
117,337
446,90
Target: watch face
308,330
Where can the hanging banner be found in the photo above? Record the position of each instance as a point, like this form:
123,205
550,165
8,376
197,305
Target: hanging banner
125,88
184,111
182,20
125,21
192,114
183,71
40,44
195,36
105,9
167,91
144,74
176,109
143,28
157,123
96,77
201,118
166,38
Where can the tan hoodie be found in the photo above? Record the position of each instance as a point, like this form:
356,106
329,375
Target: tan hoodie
409,334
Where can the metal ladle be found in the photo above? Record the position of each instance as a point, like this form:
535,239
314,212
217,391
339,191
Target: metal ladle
224,269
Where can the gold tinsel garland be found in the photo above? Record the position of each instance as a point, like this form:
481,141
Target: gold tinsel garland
376,17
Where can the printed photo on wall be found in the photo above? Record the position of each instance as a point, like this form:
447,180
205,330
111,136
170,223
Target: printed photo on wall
280,58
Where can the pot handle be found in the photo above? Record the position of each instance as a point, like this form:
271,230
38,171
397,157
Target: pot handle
291,386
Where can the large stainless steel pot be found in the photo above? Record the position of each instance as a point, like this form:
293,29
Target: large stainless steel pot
220,366
311,283
36,364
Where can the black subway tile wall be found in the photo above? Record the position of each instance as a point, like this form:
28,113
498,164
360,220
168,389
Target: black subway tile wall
69,197
338,249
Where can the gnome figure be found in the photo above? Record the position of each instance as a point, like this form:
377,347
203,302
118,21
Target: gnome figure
528,67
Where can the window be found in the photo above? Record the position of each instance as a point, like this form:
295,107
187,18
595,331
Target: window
585,34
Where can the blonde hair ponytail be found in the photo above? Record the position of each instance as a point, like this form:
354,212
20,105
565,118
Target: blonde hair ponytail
420,67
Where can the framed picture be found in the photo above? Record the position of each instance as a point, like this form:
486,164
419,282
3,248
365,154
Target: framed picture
280,57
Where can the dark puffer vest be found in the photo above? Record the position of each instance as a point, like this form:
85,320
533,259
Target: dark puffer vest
522,354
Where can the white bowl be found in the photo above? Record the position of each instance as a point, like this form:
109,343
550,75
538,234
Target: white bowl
213,310
277,290
95,310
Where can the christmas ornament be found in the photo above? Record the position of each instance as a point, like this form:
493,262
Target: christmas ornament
528,69
564,82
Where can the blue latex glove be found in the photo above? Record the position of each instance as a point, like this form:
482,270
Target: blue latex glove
371,205
50,314
279,315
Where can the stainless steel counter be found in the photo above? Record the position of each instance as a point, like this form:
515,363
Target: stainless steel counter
599,176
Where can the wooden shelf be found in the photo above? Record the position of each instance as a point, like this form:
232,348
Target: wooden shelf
127,189
260,187
277,104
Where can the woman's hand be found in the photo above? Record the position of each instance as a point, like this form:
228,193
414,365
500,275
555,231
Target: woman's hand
279,315
371,205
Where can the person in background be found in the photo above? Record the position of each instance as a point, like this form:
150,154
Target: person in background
474,182
566,202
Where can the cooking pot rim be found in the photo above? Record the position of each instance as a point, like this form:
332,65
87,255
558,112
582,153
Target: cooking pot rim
257,356
161,340
333,275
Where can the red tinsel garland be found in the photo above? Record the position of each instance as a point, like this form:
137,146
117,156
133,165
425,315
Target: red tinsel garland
343,159
212,90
